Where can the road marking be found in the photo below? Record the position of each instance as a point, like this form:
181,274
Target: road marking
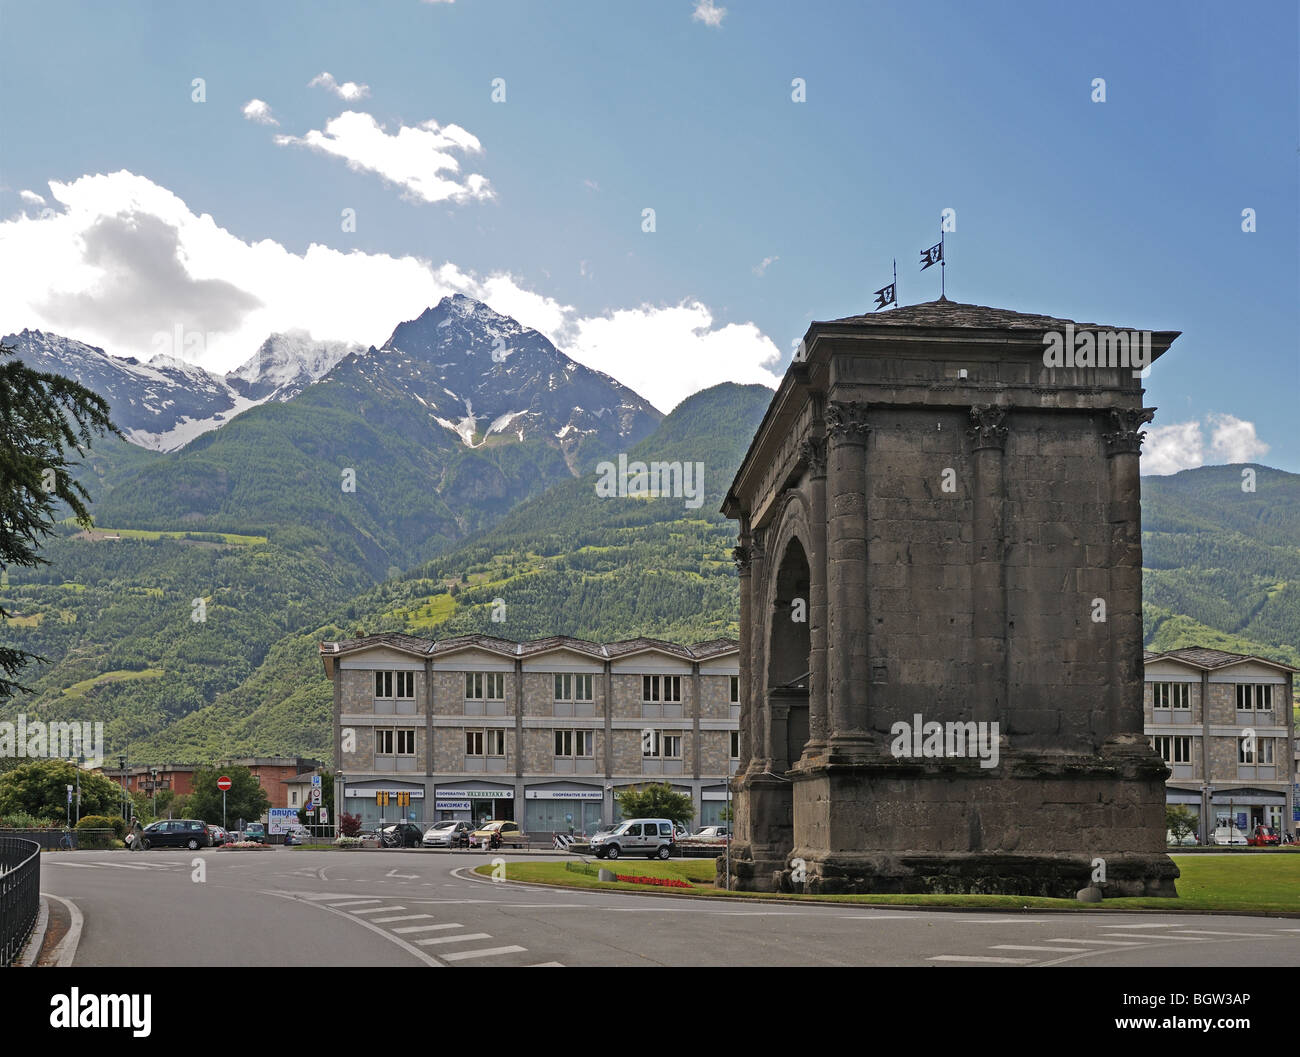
354,902
545,965
122,865
454,939
1166,936
400,917
876,917
1101,943
376,910
1140,926
486,952
413,951
393,873
1207,932
1046,950
1002,921
66,951
976,958
424,928
74,865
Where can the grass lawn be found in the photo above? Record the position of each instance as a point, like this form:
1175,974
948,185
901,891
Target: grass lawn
1255,884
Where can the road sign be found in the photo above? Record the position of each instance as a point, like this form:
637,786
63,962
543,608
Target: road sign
316,795
223,783
324,815
315,779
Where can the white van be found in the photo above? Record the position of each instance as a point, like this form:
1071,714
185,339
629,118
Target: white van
1229,835
652,837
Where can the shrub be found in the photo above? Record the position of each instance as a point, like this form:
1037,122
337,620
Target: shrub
25,820
98,831
350,825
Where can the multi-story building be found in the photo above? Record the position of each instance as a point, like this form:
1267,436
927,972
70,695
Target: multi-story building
1224,724
542,732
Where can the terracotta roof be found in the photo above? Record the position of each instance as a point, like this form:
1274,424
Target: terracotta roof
1209,659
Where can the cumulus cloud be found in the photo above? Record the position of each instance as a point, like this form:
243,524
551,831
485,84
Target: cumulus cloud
1182,445
31,198
127,260
412,159
259,111
708,13
348,90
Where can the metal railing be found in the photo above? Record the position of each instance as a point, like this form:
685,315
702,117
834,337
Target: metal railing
20,893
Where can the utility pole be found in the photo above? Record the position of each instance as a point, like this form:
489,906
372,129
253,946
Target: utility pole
80,761
153,784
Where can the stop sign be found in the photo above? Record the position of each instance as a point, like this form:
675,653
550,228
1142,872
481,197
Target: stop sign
223,783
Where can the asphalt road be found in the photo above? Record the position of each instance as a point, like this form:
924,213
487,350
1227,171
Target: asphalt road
293,907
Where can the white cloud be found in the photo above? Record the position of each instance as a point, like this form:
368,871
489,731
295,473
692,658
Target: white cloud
761,267
412,159
348,90
1181,445
31,198
591,185
708,13
127,260
257,110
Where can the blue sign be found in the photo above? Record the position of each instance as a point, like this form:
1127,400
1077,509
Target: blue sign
1241,820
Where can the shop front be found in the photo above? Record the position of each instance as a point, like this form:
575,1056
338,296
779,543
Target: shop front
713,806
475,802
362,798
568,808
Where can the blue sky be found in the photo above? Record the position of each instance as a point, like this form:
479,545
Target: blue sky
769,213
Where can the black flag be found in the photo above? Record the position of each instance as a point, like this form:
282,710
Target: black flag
886,296
934,255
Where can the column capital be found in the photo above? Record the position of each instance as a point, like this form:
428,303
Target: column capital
987,429
741,556
813,451
1127,436
846,421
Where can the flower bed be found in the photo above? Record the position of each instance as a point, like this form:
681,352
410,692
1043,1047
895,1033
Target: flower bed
661,882
348,842
243,844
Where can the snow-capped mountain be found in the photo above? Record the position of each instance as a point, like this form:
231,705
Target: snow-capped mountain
286,364
488,379
167,402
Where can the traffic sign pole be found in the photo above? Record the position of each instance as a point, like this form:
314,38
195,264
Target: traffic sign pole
223,783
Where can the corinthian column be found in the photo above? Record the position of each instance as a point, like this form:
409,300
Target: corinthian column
847,661
813,452
988,438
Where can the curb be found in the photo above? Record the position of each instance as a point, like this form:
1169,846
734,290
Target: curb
32,951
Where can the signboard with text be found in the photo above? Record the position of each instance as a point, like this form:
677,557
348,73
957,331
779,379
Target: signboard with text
281,819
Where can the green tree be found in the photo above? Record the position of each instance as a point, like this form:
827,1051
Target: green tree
1179,821
245,799
656,800
41,416
40,788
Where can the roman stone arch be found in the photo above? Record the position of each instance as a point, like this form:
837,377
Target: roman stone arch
789,652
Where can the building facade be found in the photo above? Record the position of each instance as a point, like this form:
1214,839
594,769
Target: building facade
1225,726
940,529
542,732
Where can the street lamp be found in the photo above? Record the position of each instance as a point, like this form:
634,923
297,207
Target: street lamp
153,785
80,760
121,763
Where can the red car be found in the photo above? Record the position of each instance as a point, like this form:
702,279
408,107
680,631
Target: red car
1263,836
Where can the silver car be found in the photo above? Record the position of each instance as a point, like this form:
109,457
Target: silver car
651,837
449,834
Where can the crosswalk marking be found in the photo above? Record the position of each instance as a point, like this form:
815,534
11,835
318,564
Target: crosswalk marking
406,930
400,917
355,903
1166,936
487,952
978,958
1139,925
1049,950
453,939
1208,932
1099,943
376,910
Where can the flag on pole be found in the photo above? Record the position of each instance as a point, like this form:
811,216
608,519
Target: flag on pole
887,295
934,255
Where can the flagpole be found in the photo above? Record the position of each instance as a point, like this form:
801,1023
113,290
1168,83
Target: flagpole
943,263
895,282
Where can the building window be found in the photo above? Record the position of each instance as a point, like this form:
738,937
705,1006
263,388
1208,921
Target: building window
405,684
661,744
666,688
496,742
406,743
572,687
735,689
1173,749
473,743
384,742
735,745
1253,750
294,801
1172,695
485,685
383,684
1256,697
573,743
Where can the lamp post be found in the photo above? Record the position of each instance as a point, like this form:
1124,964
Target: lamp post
121,763
338,801
80,761
153,785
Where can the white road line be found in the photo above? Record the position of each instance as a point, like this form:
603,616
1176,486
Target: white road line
486,952
356,902
876,917
454,939
1140,926
122,865
400,917
74,865
1208,932
1288,930
1046,950
1166,936
1002,921
375,910
66,951
976,958
413,951
1096,943
424,928
545,965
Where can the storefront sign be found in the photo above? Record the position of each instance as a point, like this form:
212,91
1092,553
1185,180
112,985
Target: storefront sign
475,794
451,805
563,794
352,790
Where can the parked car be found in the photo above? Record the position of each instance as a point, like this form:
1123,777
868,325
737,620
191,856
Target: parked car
509,832
402,835
680,832
449,834
1263,837
712,834
219,836
254,831
1229,835
176,833
600,829
651,837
